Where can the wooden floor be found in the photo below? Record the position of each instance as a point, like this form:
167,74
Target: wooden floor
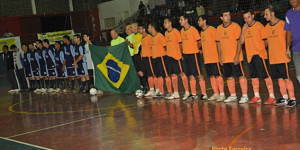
110,122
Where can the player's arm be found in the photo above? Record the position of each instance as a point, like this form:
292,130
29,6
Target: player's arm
81,55
199,46
52,56
37,58
180,47
219,52
289,40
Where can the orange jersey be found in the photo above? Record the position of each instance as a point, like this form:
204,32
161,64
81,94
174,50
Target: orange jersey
158,44
209,45
228,38
146,46
173,39
254,41
190,37
277,43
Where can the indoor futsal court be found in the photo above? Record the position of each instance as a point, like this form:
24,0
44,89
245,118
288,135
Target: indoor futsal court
32,121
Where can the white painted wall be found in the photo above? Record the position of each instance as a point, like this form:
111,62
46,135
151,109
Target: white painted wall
116,8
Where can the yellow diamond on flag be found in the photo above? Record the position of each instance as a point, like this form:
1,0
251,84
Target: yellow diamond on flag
114,70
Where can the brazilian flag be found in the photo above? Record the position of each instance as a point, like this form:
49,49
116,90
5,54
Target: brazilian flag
113,69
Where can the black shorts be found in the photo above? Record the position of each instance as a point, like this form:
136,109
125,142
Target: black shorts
52,72
192,64
43,71
258,68
173,66
137,61
71,72
279,71
28,72
213,69
82,69
231,70
91,73
159,66
148,70
36,73
59,71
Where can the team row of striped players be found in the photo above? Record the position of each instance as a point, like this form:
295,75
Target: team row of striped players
48,68
178,53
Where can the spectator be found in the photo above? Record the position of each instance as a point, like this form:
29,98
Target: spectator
200,10
148,10
142,9
7,34
116,39
181,5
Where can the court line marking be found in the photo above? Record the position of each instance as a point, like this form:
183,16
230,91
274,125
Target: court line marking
28,144
56,126
62,112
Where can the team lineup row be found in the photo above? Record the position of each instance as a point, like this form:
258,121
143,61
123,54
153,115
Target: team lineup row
177,53
47,67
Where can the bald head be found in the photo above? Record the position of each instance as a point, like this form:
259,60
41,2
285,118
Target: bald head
134,27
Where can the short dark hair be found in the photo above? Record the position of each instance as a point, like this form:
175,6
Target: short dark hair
67,37
143,26
184,16
13,46
40,41
58,42
154,25
46,41
77,35
5,46
248,11
271,8
204,17
87,34
224,11
170,19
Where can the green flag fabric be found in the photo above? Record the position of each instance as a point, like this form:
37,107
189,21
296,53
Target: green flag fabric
114,69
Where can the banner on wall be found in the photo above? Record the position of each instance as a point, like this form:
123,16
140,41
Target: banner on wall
10,41
55,36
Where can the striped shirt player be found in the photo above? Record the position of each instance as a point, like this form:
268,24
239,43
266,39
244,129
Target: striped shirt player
69,54
82,65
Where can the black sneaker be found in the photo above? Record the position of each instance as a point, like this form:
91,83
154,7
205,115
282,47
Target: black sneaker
291,103
203,97
281,102
159,96
192,97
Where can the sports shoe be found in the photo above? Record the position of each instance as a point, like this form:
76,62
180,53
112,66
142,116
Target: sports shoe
43,90
99,92
169,96
213,97
221,98
244,99
37,90
159,96
149,93
203,97
65,90
176,95
51,90
57,90
11,91
231,99
192,97
281,102
155,93
185,96
255,100
291,103
270,101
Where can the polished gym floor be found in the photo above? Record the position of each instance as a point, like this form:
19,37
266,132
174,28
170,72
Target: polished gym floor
111,122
